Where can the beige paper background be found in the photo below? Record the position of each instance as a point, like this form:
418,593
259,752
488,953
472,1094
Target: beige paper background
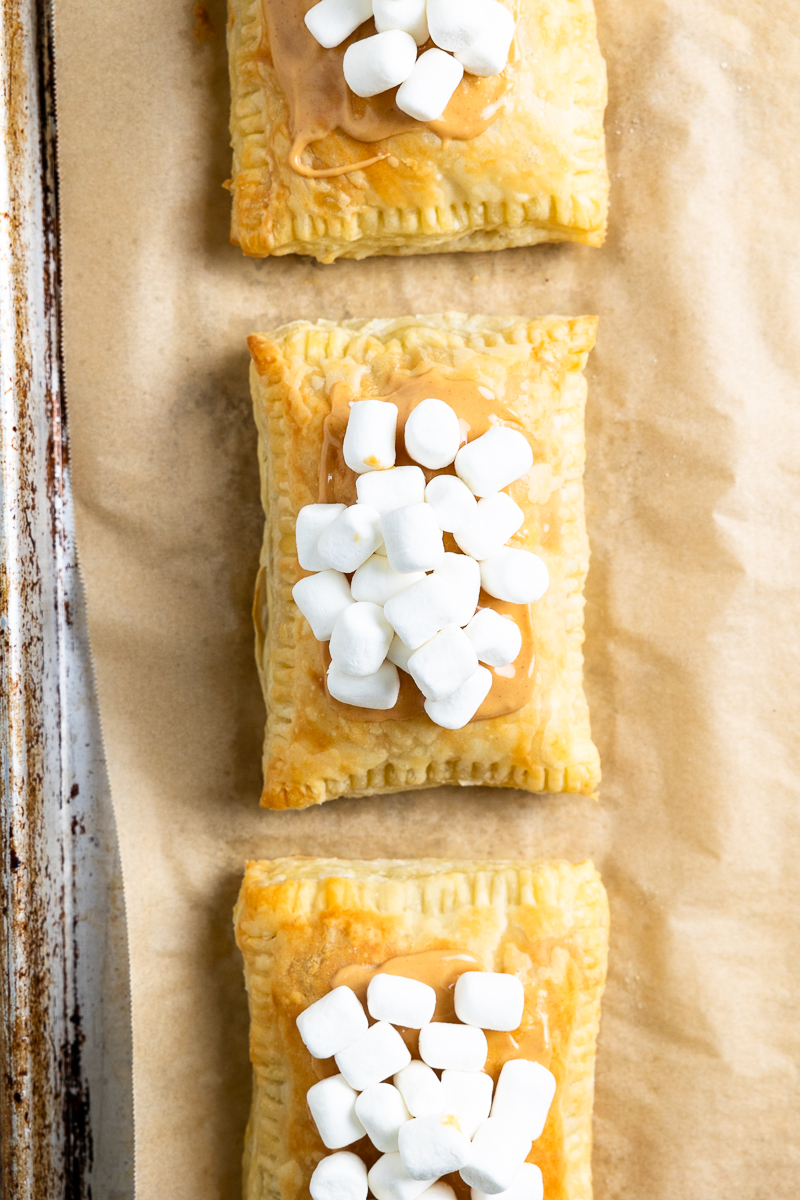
692,646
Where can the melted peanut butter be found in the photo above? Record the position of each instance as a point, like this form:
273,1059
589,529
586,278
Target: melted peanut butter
511,686
320,101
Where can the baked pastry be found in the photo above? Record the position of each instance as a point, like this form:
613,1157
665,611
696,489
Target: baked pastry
516,158
306,926
504,374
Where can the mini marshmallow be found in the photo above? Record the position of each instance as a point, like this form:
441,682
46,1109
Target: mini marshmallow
462,576
395,488
378,691
439,1191
322,599
369,440
515,575
312,520
432,1146
458,709
332,1023
424,96
332,1103
432,432
377,580
382,1111
408,15
377,1054
351,538
468,1095
452,501
360,639
490,1000
331,21
453,1047
523,1095
413,538
488,54
494,460
374,65
341,1176
496,520
421,1089
443,664
402,1001
399,653
499,1149
497,639
457,24
528,1185
388,1180
420,611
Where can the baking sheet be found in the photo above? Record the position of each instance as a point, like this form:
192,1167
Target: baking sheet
692,485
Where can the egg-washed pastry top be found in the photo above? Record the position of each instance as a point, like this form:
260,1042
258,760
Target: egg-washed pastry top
516,158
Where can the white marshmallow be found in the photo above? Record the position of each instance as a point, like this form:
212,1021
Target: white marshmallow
515,575
322,599
388,1180
488,54
523,1095
376,1055
453,1047
399,653
490,1000
420,611
382,1111
331,21
333,1106
408,15
390,489
468,1095
341,1176
413,538
497,519
332,1023
425,95
458,709
376,579
378,691
406,1002
351,538
443,664
375,64
528,1185
462,577
494,460
440,1191
432,1146
421,1089
369,440
499,1149
497,639
432,432
312,520
360,639
452,501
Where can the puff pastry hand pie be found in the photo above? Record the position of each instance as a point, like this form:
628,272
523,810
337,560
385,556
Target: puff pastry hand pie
317,934
516,158
519,382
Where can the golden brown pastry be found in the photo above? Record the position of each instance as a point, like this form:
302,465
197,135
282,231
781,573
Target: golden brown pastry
305,925
532,731
517,158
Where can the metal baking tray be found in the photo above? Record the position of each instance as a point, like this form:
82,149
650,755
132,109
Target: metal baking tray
66,1120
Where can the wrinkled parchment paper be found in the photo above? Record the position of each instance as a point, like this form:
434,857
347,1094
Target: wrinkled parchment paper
692,644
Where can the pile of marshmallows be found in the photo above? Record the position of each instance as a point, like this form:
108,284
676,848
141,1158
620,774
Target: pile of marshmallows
477,33
393,613
425,1126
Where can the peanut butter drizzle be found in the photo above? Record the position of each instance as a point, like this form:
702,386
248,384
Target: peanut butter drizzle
337,485
320,101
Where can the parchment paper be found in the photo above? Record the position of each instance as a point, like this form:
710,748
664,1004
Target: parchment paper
692,644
